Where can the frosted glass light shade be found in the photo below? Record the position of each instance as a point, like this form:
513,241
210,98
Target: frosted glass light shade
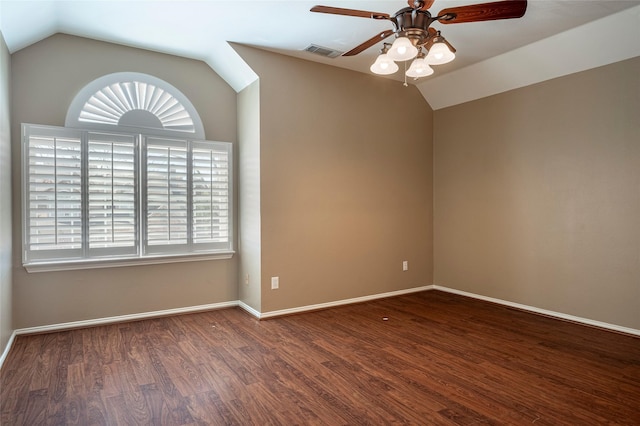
419,68
439,54
384,65
402,50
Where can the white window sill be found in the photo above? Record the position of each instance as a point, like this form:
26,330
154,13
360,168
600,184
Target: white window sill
117,263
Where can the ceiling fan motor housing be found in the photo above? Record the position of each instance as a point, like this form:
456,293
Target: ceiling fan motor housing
413,24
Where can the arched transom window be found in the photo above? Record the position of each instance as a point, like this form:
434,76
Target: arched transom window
135,101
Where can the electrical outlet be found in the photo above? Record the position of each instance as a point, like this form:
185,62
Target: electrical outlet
246,280
275,283
405,265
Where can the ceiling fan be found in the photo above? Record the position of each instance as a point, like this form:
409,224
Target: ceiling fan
412,28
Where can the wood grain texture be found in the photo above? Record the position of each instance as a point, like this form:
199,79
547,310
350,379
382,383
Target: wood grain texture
439,359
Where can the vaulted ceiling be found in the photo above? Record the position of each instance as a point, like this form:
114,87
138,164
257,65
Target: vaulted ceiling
555,37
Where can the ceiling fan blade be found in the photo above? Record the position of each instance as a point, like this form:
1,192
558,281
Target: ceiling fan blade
420,4
350,12
484,12
367,44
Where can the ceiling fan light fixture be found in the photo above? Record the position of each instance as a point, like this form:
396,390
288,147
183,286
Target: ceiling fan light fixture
384,65
419,68
402,49
413,31
439,54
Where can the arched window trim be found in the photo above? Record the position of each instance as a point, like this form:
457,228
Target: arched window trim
78,104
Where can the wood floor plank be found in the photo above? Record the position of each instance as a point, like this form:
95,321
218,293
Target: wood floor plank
426,358
36,410
207,409
159,412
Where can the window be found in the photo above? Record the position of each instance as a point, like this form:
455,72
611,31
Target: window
53,199
91,196
128,180
186,195
111,194
132,101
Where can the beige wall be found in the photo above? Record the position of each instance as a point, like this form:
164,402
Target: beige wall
45,78
249,241
537,195
346,182
6,326
536,190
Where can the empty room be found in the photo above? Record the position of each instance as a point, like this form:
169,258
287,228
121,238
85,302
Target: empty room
340,213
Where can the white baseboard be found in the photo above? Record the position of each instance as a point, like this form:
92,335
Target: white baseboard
249,309
7,348
545,312
111,320
301,309
124,318
191,309
307,308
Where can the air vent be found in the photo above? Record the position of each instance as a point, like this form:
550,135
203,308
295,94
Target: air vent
323,51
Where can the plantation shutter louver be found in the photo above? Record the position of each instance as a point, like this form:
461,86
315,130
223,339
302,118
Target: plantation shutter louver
112,187
166,194
53,206
111,103
210,189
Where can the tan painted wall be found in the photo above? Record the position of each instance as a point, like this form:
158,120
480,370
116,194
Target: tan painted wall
6,323
346,182
45,78
536,190
537,195
249,245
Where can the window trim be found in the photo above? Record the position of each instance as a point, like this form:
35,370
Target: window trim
140,258
113,262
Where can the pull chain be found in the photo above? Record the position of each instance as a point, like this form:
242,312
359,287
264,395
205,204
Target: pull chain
405,74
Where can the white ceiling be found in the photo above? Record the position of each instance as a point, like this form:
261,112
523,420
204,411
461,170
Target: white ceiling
201,29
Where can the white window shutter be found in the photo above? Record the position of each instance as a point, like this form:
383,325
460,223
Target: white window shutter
102,195
53,200
211,193
166,201
112,187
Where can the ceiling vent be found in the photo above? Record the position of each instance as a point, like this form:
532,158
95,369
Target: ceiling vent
322,51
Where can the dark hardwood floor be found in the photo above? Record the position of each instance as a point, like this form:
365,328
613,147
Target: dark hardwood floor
438,359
